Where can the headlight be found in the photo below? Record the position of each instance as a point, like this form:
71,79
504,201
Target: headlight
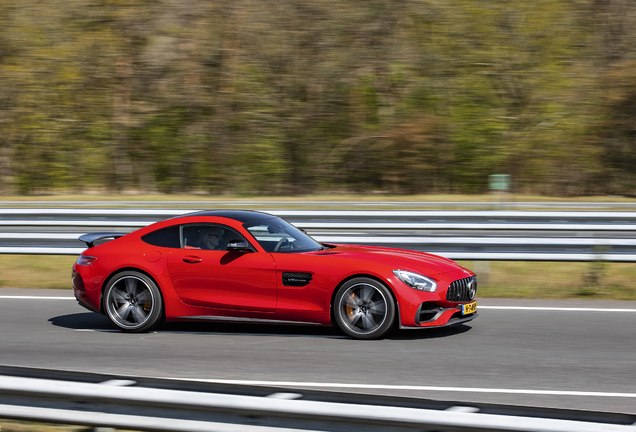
416,281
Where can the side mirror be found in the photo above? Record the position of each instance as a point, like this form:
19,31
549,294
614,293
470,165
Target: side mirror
238,246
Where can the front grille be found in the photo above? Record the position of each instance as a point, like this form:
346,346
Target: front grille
462,290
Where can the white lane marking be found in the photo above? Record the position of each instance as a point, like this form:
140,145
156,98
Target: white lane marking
416,388
35,297
547,308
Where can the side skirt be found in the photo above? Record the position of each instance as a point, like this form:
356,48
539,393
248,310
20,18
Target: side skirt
245,320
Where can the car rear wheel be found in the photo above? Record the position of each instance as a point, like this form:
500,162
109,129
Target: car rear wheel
364,308
133,302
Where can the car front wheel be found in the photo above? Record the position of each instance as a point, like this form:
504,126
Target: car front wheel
133,302
364,308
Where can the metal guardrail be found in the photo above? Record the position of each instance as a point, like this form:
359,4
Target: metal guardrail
124,402
492,235
498,204
333,213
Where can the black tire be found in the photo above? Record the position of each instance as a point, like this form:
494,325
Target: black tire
132,302
364,309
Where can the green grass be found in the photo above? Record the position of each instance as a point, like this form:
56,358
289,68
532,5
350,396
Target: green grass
555,280
36,271
519,279
24,426
100,195
345,198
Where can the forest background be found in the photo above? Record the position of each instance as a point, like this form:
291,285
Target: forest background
284,97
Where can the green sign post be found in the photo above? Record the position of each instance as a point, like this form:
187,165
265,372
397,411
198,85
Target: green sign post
499,182
500,185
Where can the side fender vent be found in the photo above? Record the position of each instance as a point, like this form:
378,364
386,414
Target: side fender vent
296,279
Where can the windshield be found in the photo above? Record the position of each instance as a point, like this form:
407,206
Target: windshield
277,235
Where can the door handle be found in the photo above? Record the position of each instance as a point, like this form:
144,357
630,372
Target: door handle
192,259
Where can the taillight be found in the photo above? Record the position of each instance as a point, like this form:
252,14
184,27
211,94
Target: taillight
85,260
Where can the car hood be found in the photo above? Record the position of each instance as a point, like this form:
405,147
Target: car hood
400,259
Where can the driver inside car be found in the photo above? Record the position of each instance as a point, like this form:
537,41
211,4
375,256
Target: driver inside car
213,240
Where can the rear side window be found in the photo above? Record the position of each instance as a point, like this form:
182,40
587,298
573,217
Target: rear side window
167,237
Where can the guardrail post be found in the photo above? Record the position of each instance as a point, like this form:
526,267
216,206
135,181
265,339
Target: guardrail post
482,268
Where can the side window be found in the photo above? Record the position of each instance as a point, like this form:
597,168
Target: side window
268,237
167,237
207,236
277,235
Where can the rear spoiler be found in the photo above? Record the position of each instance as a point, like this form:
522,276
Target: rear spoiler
90,238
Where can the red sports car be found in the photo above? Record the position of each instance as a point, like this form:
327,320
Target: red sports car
247,266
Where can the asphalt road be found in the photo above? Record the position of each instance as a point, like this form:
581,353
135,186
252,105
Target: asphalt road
577,359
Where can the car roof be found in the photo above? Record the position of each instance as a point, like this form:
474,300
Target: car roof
239,215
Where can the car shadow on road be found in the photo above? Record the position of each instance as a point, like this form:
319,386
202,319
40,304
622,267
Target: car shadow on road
94,322
251,329
82,321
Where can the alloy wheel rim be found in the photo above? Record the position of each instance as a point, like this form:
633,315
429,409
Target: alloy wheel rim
130,302
363,308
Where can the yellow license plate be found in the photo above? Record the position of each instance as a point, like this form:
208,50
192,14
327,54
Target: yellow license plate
469,308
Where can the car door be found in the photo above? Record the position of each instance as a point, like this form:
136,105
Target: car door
205,274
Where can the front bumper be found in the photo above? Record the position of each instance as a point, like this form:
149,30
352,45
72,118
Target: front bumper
439,317
420,310
431,313
443,307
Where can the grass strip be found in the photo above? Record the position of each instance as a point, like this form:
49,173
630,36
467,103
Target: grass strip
503,279
348,201
595,280
25,426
